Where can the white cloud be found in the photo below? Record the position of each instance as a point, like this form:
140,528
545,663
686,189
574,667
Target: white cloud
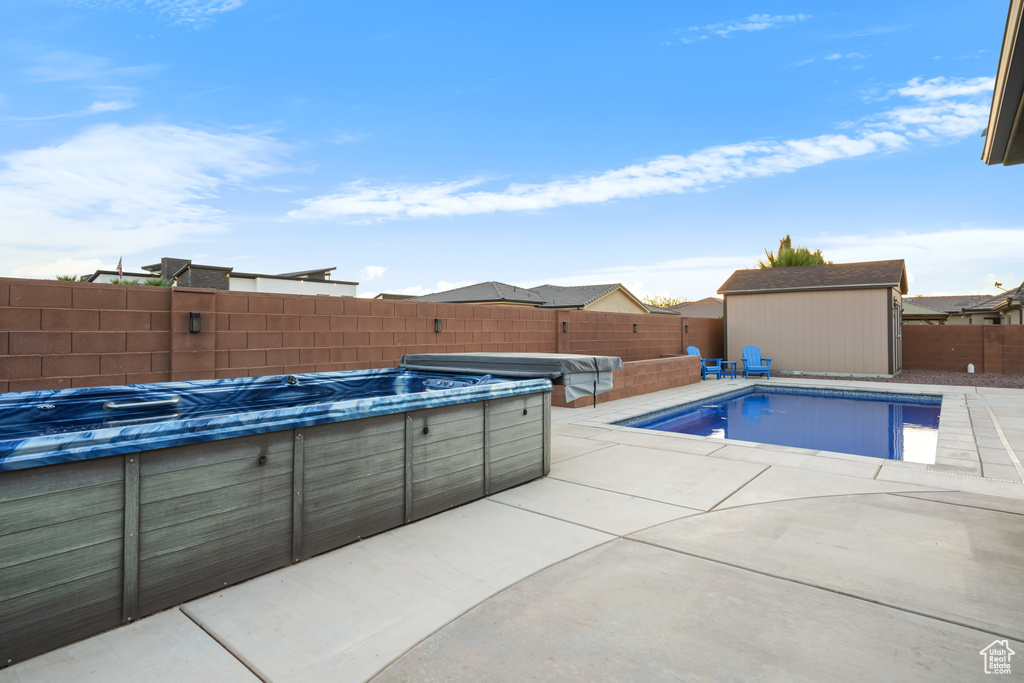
935,120
54,67
943,88
420,290
190,12
836,56
114,190
372,273
98,107
755,22
194,11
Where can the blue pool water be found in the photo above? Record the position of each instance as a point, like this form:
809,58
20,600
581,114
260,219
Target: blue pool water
895,427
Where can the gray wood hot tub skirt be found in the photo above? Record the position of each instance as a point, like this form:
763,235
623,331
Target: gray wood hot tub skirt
581,375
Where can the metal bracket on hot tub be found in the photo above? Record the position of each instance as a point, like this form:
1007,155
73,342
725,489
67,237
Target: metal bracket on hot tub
110,405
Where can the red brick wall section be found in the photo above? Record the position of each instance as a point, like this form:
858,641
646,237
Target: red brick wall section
944,347
706,334
61,334
639,377
58,335
996,349
611,334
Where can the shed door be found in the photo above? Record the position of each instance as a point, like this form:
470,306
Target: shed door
897,335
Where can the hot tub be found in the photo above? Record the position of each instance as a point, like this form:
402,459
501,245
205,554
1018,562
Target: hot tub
117,502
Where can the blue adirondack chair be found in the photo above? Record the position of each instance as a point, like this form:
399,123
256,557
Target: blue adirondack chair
753,364
708,366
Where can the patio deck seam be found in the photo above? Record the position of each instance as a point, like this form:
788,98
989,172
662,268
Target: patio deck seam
825,495
604,531
907,494
251,668
1002,437
742,486
490,597
598,488
828,590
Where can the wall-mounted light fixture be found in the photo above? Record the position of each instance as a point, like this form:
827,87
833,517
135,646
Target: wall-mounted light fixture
686,328
565,326
634,327
195,322
437,324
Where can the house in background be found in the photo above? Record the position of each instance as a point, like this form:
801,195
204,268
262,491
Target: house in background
185,273
1001,309
610,298
386,296
944,310
106,277
829,319
710,307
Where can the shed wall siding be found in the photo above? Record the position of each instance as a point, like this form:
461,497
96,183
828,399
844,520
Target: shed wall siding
822,331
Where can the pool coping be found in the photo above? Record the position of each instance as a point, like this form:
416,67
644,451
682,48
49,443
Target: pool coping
957,452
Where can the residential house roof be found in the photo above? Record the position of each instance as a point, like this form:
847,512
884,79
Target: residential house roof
544,296
387,296
658,309
866,275
124,274
709,307
556,296
947,304
319,274
997,301
486,292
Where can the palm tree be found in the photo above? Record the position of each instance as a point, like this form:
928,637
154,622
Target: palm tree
787,256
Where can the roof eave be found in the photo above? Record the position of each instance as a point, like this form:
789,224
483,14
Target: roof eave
817,288
1004,141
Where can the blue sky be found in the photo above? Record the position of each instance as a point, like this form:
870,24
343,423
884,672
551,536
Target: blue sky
418,146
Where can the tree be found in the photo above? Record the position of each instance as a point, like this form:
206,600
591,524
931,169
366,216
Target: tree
663,301
787,256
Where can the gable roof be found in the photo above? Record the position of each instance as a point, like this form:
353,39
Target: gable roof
663,311
997,301
866,275
484,292
556,296
709,307
948,304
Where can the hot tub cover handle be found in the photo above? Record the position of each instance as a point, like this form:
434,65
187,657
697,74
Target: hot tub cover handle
110,405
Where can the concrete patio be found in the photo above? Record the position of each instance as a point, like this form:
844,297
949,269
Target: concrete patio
643,556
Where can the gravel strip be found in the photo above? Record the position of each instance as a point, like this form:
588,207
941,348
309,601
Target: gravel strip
960,379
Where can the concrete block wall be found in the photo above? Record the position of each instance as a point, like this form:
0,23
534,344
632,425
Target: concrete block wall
639,377
996,349
56,335
61,335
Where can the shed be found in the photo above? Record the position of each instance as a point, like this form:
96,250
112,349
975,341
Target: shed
831,319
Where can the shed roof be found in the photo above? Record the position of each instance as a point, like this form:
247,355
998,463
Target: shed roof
866,275
484,292
710,307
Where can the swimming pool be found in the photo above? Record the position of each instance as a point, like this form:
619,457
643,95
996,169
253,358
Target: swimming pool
875,424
